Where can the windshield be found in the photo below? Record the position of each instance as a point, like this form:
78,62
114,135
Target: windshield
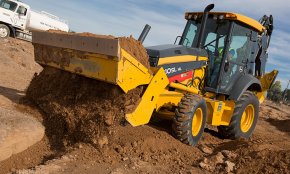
214,41
9,5
215,30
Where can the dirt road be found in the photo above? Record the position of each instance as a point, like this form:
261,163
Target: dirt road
145,149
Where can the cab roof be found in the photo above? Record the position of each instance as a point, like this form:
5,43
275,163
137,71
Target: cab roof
230,16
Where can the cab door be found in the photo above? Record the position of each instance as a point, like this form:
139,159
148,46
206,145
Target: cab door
20,17
7,11
238,56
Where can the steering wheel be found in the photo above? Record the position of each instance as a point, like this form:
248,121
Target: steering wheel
207,47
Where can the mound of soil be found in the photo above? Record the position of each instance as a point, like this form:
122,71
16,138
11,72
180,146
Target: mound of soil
136,49
79,109
266,161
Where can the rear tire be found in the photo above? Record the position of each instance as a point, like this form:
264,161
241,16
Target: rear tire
244,119
4,31
190,119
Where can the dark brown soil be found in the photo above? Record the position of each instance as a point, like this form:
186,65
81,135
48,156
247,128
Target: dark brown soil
79,109
266,161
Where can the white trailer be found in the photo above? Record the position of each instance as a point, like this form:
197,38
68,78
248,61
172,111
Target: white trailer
18,20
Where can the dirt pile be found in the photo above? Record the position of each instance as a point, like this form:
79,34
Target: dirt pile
79,109
136,49
265,161
245,157
20,52
17,66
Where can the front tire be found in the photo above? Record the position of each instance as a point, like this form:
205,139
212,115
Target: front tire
244,119
190,119
4,31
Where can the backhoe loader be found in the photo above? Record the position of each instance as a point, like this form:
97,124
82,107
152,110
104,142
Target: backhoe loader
215,73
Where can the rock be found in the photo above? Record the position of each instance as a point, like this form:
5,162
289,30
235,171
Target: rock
229,166
80,146
103,141
145,157
65,158
206,150
13,170
118,149
134,144
118,171
109,120
229,154
218,158
205,160
125,158
206,166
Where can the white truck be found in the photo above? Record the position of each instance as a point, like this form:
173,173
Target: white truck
18,20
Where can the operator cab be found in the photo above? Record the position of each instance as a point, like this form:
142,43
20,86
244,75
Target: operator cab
231,45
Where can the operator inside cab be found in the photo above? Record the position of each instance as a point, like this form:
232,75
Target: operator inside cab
217,63
231,46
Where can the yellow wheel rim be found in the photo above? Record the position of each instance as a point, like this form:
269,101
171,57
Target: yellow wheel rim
247,118
196,122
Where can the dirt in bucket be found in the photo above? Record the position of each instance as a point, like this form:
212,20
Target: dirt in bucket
62,57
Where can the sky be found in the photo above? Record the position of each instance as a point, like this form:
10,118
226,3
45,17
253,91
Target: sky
166,17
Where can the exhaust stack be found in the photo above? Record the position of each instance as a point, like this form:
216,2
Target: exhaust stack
203,24
144,33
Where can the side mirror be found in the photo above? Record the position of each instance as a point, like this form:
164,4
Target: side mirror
178,38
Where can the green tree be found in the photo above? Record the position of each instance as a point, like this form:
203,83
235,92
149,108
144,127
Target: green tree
275,92
287,95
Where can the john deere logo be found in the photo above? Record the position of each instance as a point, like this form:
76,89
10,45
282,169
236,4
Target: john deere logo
172,70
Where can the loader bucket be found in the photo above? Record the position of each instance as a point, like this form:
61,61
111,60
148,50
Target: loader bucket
103,58
94,56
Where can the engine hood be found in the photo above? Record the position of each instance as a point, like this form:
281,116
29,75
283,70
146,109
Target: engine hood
166,51
161,51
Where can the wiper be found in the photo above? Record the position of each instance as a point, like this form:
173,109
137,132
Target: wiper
214,41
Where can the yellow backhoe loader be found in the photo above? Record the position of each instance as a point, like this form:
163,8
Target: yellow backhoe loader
214,75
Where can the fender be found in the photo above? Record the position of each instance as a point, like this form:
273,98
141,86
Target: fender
244,83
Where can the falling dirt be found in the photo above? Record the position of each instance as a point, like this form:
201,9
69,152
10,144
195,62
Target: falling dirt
79,109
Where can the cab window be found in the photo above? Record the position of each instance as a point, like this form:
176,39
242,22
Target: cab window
9,5
22,10
239,56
